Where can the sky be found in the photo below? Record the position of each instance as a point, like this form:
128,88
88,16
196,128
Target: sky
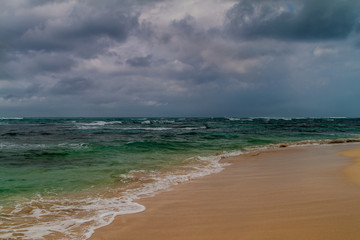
171,58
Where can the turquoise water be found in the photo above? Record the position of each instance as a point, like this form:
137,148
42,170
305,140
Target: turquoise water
91,169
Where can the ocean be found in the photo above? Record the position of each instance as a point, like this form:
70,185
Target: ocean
61,178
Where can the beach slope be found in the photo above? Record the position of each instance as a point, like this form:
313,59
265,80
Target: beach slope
292,193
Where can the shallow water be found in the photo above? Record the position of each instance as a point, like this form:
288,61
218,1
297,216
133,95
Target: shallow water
64,177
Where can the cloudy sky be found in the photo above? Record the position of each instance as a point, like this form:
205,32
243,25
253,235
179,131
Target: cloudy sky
180,58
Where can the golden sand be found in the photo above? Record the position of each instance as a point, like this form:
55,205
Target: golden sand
292,194
353,171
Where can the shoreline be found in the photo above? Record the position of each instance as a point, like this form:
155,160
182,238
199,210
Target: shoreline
204,201
86,171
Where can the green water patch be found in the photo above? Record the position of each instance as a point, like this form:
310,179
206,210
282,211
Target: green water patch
52,156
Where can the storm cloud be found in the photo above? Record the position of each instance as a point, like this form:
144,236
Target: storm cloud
65,26
179,58
139,61
297,19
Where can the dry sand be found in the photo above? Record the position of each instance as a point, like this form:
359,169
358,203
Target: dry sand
293,193
353,171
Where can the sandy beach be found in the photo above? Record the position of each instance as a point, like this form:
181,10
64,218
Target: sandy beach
310,192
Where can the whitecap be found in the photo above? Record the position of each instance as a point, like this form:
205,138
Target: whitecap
96,124
147,128
11,118
194,128
233,119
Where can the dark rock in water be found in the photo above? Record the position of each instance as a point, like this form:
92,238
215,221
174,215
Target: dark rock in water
337,141
45,133
10,134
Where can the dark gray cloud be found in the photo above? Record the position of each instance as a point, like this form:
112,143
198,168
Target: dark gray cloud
171,58
80,27
81,33
184,25
71,86
33,64
294,19
140,61
43,62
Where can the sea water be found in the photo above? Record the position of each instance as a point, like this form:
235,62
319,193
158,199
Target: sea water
61,178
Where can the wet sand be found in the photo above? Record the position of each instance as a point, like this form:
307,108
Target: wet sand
294,193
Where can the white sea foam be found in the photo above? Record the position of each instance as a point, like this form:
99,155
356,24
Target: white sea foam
233,119
147,128
163,121
27,146
14,146
71,218
77,218
95,124
162,128
74,146
11,118
194,128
